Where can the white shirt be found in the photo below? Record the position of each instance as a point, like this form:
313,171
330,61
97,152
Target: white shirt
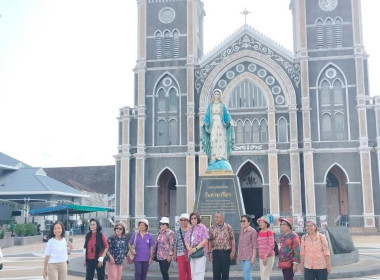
56,250
1,256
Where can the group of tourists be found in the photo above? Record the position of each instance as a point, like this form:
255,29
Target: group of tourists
190,246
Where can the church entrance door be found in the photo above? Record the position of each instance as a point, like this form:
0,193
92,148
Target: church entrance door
285,198
252,190
167,205
336,197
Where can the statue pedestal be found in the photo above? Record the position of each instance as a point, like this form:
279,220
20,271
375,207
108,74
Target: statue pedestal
219,192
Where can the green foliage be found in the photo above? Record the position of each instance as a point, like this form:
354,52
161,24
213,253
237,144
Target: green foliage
25,229
30,229
20,230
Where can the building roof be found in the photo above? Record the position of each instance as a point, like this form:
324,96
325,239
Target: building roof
33,181
10,163
99,179
254,33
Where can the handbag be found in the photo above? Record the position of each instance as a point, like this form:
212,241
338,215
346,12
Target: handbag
185,251
198,253
130,256
285,264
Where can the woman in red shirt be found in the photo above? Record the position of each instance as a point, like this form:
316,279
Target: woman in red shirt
265,243
96,248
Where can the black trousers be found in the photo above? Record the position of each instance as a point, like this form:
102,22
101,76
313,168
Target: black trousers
91,266
315,274
221,264
164,268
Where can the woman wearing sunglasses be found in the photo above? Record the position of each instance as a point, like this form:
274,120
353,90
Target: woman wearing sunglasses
117,251
247,246
96,248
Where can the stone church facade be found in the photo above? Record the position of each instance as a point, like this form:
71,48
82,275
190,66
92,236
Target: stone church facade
307,131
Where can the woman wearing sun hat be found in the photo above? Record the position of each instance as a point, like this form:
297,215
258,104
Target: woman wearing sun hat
165,247
265,243
315,254
289,255
144,249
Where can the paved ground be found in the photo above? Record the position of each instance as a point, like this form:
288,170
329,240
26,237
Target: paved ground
26,263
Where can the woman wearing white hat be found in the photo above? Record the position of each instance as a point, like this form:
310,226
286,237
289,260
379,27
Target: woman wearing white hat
143,250
165,247
180,252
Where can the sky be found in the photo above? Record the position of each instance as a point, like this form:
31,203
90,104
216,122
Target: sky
66,69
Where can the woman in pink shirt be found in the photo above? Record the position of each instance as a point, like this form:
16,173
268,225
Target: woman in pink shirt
265,243
315,254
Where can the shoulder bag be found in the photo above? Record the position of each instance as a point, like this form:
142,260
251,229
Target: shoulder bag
130,256
199,253
185,251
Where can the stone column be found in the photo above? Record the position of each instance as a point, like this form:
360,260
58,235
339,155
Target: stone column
191,59
364,150
124,158
295,164
273,165
141,116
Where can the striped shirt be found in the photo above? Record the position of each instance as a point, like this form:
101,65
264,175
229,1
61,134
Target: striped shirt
247,242
265,243
178,242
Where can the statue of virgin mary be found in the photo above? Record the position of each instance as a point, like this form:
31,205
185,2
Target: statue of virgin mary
218,136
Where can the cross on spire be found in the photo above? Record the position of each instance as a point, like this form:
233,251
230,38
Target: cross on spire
245,13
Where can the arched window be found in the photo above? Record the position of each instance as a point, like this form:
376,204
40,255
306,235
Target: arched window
339,126
167,44
329,33
325,95
158,36
173,132
247,132
255,132
319,33
173,107
161,100
161,132
264,131
326,127
175,43
240,132
338,93
338,33
282,130
247,95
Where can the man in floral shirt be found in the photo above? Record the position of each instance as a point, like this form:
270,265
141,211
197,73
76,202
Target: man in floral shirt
222,243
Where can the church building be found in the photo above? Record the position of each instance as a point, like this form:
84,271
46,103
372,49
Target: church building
307,131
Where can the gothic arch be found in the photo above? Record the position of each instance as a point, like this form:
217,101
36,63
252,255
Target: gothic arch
338,165
167,182
330,64
160,78
251,162
248,55
256,80
284,175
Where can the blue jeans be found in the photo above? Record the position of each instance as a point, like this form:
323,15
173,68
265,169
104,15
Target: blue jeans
247,268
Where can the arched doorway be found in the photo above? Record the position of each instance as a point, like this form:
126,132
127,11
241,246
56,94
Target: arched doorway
285,198
251,185
167,198
336,197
